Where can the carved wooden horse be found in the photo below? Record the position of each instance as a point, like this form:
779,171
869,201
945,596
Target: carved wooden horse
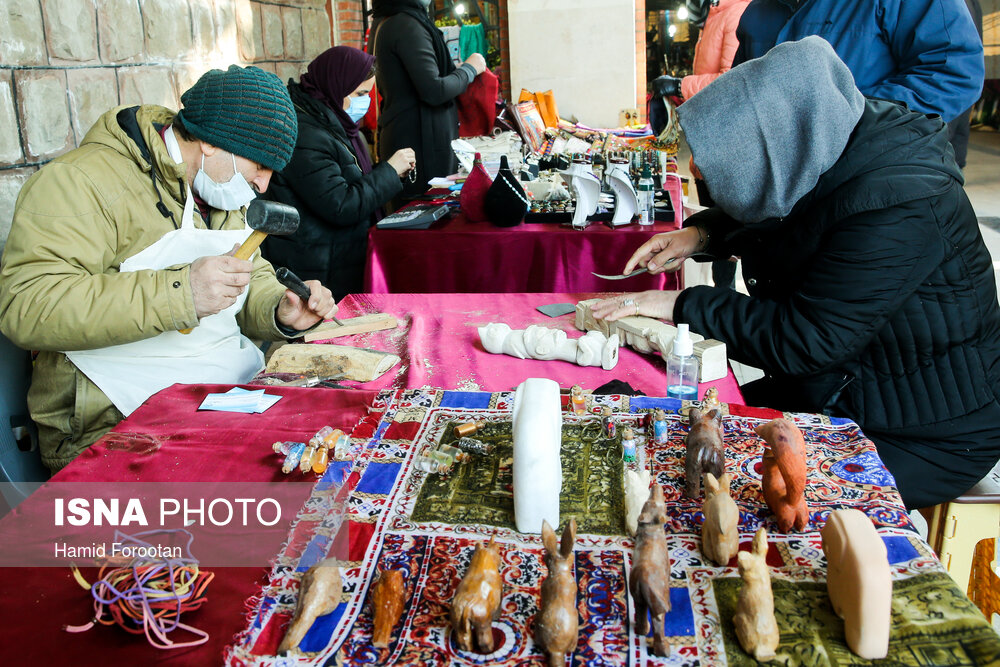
477,601
705,450
649,581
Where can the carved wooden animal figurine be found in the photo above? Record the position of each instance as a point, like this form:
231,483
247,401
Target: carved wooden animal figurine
649,582
859,581
756,627
477,601
711,400
387,605
720,537
319,594
636,495
705,451
556,625
784,474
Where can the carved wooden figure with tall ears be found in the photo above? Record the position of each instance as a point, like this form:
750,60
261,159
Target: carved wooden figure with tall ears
649,581
387,605
477,601
756,627
557,625
720,535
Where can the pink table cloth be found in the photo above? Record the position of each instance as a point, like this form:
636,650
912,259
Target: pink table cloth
439,345
460,256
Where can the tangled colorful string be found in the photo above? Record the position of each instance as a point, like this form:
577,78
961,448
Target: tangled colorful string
148,595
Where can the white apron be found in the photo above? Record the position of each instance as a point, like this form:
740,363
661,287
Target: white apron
214,352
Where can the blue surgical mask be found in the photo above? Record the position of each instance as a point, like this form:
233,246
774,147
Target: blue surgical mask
359,107
232,195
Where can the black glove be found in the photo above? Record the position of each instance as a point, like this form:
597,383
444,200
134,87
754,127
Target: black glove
668,86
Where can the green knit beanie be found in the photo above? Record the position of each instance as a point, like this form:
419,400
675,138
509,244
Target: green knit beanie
245,111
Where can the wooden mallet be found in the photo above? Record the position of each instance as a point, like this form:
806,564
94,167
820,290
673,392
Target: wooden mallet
265,218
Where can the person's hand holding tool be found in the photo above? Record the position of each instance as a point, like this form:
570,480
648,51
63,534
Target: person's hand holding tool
217,282
667,251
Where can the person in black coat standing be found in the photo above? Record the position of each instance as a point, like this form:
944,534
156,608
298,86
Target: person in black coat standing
330,179
872,294
418,83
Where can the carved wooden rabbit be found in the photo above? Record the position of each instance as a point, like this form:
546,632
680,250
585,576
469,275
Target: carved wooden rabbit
477,601
556,625
319,594
784,474
756,627
720,537
387,605
649,582
705,451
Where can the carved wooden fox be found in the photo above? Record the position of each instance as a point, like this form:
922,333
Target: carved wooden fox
784,475
387,605
649,581
756,627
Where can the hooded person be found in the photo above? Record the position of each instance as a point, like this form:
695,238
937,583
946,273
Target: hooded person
330,178
118,245
418,83
871,293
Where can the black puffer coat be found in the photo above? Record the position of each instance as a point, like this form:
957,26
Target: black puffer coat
875,297
418,96
336,201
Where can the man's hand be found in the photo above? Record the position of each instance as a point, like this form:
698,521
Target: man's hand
666,251
478,62
218,281
295,314
651,303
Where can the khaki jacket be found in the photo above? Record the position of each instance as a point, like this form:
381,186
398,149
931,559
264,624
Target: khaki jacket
76,220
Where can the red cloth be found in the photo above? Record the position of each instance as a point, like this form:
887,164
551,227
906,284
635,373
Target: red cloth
439,345
196,446
477,106
462,256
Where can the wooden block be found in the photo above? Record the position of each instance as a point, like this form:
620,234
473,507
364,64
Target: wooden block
351,326
359,364
713,363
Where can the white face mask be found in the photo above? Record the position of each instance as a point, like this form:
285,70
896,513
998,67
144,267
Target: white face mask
229,196
358,107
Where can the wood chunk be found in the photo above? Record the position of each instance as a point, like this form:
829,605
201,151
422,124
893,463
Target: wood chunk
359,364
351,326
713,362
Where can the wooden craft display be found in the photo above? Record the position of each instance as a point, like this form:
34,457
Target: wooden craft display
351,326
783,478
705,449
756,627
477,600
859,581
649,581
319,594
720,535
557,625
648,335
359,364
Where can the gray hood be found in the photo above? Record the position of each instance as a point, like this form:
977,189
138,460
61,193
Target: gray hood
763,132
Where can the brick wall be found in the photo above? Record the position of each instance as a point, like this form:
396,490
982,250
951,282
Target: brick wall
65,62
348,23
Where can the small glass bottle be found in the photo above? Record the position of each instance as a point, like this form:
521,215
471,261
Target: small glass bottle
682,367
644,192
293,457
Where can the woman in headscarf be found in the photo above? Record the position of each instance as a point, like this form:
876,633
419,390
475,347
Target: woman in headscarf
331,179
871,293
418,83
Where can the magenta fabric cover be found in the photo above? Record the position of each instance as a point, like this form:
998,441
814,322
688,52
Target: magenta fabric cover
439,345
460,256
